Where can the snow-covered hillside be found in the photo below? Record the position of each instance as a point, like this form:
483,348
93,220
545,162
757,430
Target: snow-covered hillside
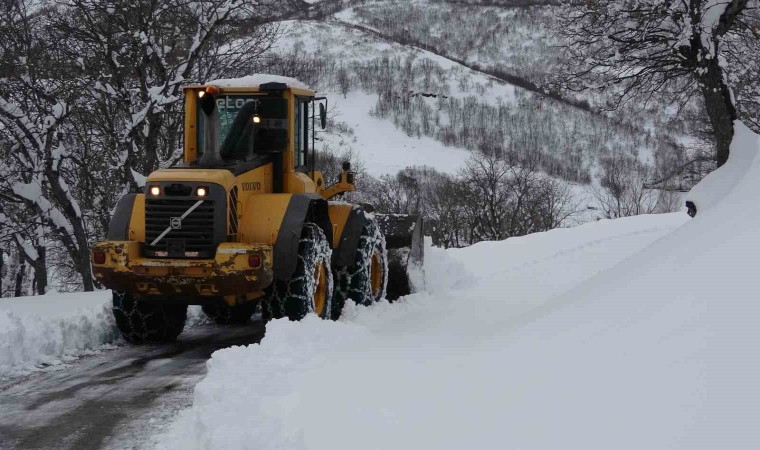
466,56
626,334
397,105
384,149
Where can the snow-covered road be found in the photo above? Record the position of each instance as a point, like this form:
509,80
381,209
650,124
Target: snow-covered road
115,399
636,333
427,372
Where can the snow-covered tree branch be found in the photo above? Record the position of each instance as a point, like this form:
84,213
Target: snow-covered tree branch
672,50
90,103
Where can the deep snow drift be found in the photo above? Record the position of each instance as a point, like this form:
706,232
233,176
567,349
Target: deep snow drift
522,344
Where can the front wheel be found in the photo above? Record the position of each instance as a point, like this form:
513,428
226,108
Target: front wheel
144,322
366,280
310,288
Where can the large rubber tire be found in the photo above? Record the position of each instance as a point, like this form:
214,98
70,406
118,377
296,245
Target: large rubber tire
223,314
366,280
309,290
144,322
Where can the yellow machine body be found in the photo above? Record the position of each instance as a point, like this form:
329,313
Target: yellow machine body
257,206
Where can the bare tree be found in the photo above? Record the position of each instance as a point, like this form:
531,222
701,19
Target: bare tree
444,212
487,196
625,189
400,193
35,108
492,198
135,57
90,101
503,198
671,50
343,77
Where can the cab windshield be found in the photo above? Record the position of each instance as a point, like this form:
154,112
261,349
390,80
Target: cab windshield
248,125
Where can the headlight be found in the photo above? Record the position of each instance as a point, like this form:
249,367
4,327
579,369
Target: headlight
155,190
201,192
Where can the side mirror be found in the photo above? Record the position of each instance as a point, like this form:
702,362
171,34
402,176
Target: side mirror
322,116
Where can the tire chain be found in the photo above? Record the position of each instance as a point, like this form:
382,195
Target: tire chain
354,282
142,322
312,248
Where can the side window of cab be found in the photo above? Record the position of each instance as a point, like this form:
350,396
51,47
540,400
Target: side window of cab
301,132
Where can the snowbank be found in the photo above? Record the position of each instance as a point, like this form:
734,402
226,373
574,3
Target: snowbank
55,328
718,184
628,334
50,329
429,371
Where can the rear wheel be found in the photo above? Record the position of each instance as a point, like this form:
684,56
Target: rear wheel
365,281
224,314
310,288
146,322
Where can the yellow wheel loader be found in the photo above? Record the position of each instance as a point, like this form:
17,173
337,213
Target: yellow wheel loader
246,220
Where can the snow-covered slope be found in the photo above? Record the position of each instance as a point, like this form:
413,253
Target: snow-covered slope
472,108
522,344
393,106
384,149
381,146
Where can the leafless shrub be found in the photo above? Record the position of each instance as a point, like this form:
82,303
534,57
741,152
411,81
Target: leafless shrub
490,199
624,189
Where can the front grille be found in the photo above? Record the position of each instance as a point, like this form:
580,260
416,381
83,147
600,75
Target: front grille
194,238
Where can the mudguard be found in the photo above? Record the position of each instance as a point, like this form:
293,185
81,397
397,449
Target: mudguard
302,208
345,254
118,227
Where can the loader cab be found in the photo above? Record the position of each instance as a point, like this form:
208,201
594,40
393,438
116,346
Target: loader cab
249,127
245,128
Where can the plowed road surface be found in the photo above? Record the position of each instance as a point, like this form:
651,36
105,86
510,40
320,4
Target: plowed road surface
117,399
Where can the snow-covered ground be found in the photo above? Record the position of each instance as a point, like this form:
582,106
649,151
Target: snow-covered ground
633,333
380,146
384,149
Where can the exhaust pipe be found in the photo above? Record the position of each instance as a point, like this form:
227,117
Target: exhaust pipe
211,156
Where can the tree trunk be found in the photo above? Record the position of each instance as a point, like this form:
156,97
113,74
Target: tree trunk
76,245
720,109
19,291
85,269
40,271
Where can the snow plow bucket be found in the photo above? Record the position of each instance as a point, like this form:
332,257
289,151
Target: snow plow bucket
404,241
